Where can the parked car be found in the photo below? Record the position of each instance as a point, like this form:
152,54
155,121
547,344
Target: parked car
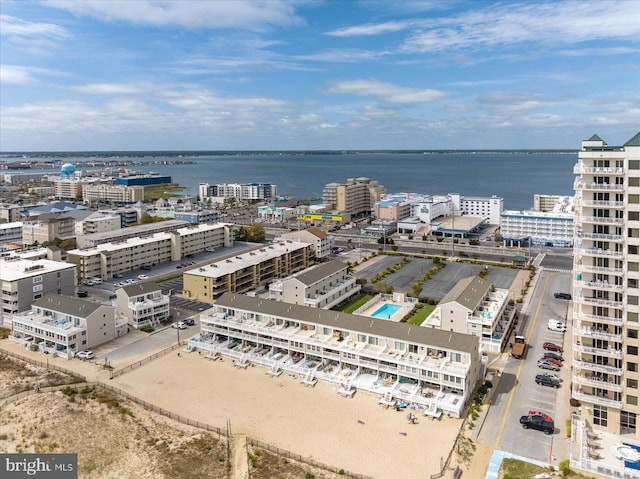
85,355
556,325
562,295
88,283
551,360
145,267
539,421
550,355
189,322
545,380
118,275
143,276
547,364
552,376
552,347
179,325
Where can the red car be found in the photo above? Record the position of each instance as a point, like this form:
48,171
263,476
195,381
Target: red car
552,347
552,360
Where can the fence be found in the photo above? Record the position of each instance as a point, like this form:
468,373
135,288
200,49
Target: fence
306,460
444,465
137,364
43,364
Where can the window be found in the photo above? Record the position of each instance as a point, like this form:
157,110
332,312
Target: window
634,215
633,199
632,300
632,333
632,266
632,317
634,164
627,422
634,181
632,350
633,400
632,383
633,367
600,415
633,249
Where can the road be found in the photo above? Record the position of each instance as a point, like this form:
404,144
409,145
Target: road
517,391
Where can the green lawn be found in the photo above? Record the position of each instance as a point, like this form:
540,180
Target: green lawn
421,314
354,304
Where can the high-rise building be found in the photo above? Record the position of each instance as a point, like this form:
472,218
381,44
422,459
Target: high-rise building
355,197
606,359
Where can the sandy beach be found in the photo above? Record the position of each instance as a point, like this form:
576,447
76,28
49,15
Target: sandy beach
356,434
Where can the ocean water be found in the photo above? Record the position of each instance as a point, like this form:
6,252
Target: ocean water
514,176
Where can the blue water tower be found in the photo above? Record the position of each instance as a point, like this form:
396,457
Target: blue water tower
67,172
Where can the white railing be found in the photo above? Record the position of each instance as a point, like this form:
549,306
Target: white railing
596,383
600,252
600,302
601,285
598,351
595,334
597,317
592,398
599,236
597,367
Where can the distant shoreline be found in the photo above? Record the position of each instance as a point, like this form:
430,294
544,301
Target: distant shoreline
28,155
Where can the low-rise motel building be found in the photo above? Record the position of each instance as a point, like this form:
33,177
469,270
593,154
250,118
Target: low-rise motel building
105,260
248,271
143,304
402,363
64,325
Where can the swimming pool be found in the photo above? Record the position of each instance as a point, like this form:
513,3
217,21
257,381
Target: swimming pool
386,311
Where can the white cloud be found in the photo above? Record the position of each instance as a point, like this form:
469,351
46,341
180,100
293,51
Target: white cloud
514,23
191,14
16,27
387,92
370,29
21,75
108,89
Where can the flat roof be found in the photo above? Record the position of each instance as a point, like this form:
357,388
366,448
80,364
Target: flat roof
140,229
459,224
234,263
353,322
15,269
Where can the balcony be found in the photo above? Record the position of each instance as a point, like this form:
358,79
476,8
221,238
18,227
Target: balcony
587,268
599,302
600,286
593,399
599,236
582,316
600,252
581,184
581,168
596,382
598,203
609,352
595,334
600,220
601,368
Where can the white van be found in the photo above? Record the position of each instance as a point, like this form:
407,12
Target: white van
96,280
556,325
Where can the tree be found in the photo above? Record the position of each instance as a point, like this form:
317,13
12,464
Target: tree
256,233
240,234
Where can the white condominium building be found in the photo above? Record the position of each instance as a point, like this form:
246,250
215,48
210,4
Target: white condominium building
118,194
355,197
606,311
321,241
541,228
106,259
240,192
63,325
437,370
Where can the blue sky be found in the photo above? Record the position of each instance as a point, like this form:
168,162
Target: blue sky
285,75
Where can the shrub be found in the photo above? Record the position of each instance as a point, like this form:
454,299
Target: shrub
147,329
565,468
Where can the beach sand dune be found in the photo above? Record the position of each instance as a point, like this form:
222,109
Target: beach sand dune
356,434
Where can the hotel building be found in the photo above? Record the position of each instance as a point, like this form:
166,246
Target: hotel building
118,194
321,241
63,325
47,227
246,272
437,370
122,234
606,344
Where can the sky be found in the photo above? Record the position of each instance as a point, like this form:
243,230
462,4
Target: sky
85,75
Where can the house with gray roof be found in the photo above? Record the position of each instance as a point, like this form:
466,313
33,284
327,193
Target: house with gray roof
63,325
476,307
143,304
321,286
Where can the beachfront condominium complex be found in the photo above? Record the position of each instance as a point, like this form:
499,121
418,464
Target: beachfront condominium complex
355,197
606,362
233,191
118,194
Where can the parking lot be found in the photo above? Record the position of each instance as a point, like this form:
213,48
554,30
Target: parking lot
439,285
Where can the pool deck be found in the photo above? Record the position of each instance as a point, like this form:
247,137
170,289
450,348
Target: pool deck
396,317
